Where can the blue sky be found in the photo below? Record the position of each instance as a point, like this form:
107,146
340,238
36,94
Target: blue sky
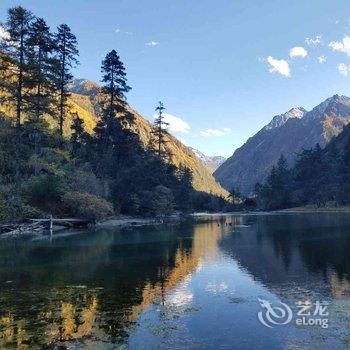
225,68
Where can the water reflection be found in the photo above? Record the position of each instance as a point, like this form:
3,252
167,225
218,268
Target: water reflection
95,288
92,284
301,249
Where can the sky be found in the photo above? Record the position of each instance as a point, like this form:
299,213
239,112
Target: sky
222,68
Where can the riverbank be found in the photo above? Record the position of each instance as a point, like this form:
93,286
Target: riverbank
130,221
314,209
39,227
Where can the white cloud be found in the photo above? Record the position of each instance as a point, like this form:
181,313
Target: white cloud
322,59
279,66
152,43
176,124
298,51
118,30
215,132
342,46
4,35
344,69
314,41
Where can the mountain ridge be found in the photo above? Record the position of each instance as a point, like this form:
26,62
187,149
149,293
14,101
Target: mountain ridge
85,94
211,162
252,162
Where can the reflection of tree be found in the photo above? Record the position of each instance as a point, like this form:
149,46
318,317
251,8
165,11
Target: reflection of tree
340,287
72,324
205,243
54,296
295,248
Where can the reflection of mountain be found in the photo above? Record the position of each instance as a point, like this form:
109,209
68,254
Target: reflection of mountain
205,243
88,289
94,285
295,250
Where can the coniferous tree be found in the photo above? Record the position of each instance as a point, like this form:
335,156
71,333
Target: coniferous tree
80,138
185,189
41,69
115,139
160,131
41,95
66,53
276,192
15,56
115,83
344,175
16,49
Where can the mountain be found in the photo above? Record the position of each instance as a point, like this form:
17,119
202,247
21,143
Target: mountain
211,162
85,98
286,134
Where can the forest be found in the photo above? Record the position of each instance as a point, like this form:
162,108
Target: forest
320,177
45,169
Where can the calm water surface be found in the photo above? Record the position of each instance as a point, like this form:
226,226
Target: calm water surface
194,286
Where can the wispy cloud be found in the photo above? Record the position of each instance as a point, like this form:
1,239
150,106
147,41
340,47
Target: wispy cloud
176,124
298,51
317,40
322,59
120,31
152,43
342,46
215,132
278,66
344,69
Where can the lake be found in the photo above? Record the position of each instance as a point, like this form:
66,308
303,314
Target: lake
225,282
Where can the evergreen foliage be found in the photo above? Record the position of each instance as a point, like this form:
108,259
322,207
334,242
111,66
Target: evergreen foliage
90,175
159,132
66,53
319,176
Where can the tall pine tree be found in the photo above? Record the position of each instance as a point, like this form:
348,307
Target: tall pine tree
16,49
66,53
160,131
115,83
15,60
116,141
42,69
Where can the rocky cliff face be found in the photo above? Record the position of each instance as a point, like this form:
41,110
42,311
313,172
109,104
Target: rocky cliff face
286,134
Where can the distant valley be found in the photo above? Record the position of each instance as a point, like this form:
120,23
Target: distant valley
211,162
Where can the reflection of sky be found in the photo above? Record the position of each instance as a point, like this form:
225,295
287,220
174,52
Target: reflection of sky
217,306
180,296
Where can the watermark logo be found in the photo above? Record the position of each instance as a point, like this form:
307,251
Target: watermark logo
308,314
274,315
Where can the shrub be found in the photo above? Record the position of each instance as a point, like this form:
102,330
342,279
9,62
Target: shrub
162,201
43,190
87,206
13,209
84,180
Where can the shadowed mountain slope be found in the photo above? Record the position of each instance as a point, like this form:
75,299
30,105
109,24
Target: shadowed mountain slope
286,134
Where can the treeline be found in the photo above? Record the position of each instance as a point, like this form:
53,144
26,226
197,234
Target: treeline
319,176
87,175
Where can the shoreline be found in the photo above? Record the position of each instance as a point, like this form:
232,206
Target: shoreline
30,228
37,228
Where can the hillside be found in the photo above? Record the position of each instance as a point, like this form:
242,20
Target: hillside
85,99
286,134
